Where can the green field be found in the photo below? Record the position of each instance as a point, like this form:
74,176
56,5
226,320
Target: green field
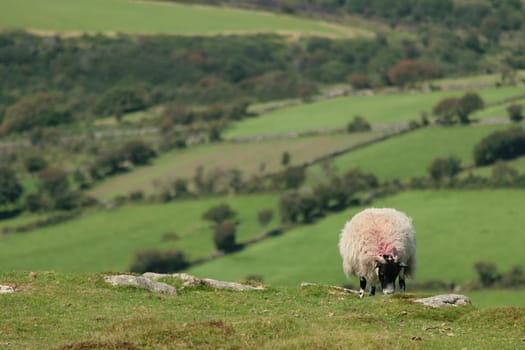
411,154
455,229
122,16
246,157
107,240
66,311
338,112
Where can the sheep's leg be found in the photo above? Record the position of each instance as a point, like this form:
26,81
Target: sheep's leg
402,285
372,290
362,286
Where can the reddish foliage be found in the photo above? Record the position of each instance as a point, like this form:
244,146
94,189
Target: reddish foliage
410,71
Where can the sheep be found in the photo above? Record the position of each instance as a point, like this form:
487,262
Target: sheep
377,245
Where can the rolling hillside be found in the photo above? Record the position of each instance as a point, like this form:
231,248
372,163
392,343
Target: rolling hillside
127,16
108,239
376,109
454,230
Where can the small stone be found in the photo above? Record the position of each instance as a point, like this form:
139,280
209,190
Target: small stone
6,289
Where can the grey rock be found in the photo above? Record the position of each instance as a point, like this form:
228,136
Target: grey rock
445,300
6,289
192,281
141,282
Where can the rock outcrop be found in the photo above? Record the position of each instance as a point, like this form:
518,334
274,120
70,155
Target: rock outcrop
445,300
140,282
192,281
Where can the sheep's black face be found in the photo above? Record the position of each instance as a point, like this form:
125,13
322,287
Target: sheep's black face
387,273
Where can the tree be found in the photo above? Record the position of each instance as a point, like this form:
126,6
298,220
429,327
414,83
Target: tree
445,110
289,206
490,28
219,213
153,260
487,272
291,177
35,163
41,109
467,104
515,112
444,167
54,181
10,187
285,158
137,152
453,109
407,72
224,236
359,124
501,144
264,216
358,81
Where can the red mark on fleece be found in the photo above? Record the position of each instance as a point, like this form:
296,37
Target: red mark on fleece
386,249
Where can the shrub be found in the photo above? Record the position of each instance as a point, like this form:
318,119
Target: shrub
358,81
409,71
10,187
34,164
467,104
41,109
219,213
503,144
159,261
453,109
444,167
264,216
503,175
54,181
290,178
515,112
358,124
224,236
487,273
445,110
289,207
285,158
137,152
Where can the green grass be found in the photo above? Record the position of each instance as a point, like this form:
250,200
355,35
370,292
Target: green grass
455,229
246,157
65,311
111,16
480,79
107,240
411,154
338,112
497,298
486,171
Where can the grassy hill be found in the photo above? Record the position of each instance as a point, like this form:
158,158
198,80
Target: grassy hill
64,311
338,112
107,240
239,156
125,16
455,229
399,158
